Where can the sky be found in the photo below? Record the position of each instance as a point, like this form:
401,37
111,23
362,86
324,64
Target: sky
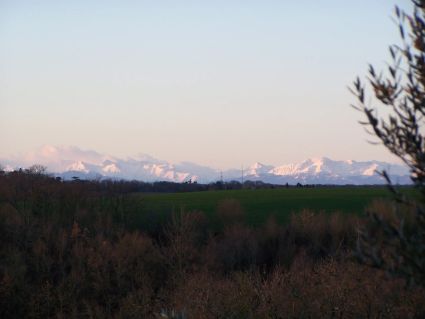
219,83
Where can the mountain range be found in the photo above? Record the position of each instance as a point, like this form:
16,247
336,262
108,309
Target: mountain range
69,162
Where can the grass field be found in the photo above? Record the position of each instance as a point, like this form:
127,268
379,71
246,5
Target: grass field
260,203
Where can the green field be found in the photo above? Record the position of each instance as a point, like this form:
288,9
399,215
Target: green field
260,203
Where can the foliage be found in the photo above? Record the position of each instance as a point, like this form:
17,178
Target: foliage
73,250
400,91
37,169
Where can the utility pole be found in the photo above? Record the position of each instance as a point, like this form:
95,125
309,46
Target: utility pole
222,180
242,176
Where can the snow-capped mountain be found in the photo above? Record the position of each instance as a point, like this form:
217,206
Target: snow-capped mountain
68,162
258,170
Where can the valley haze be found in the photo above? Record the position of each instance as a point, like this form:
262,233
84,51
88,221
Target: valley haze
70,161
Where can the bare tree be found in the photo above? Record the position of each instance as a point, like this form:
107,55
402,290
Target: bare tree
37,169
400,91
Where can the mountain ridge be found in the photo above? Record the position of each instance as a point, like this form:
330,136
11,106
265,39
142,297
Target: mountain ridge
69,161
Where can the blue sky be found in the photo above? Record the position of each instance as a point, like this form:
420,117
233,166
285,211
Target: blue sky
221,83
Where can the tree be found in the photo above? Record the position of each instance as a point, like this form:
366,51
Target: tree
37,169
400,91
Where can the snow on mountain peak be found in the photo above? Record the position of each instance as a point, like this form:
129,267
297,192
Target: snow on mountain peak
77,167
316,170
371,170
257,169
256,165
111,168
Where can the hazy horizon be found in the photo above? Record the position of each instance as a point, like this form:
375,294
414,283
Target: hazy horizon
219,84
44,154
72,162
